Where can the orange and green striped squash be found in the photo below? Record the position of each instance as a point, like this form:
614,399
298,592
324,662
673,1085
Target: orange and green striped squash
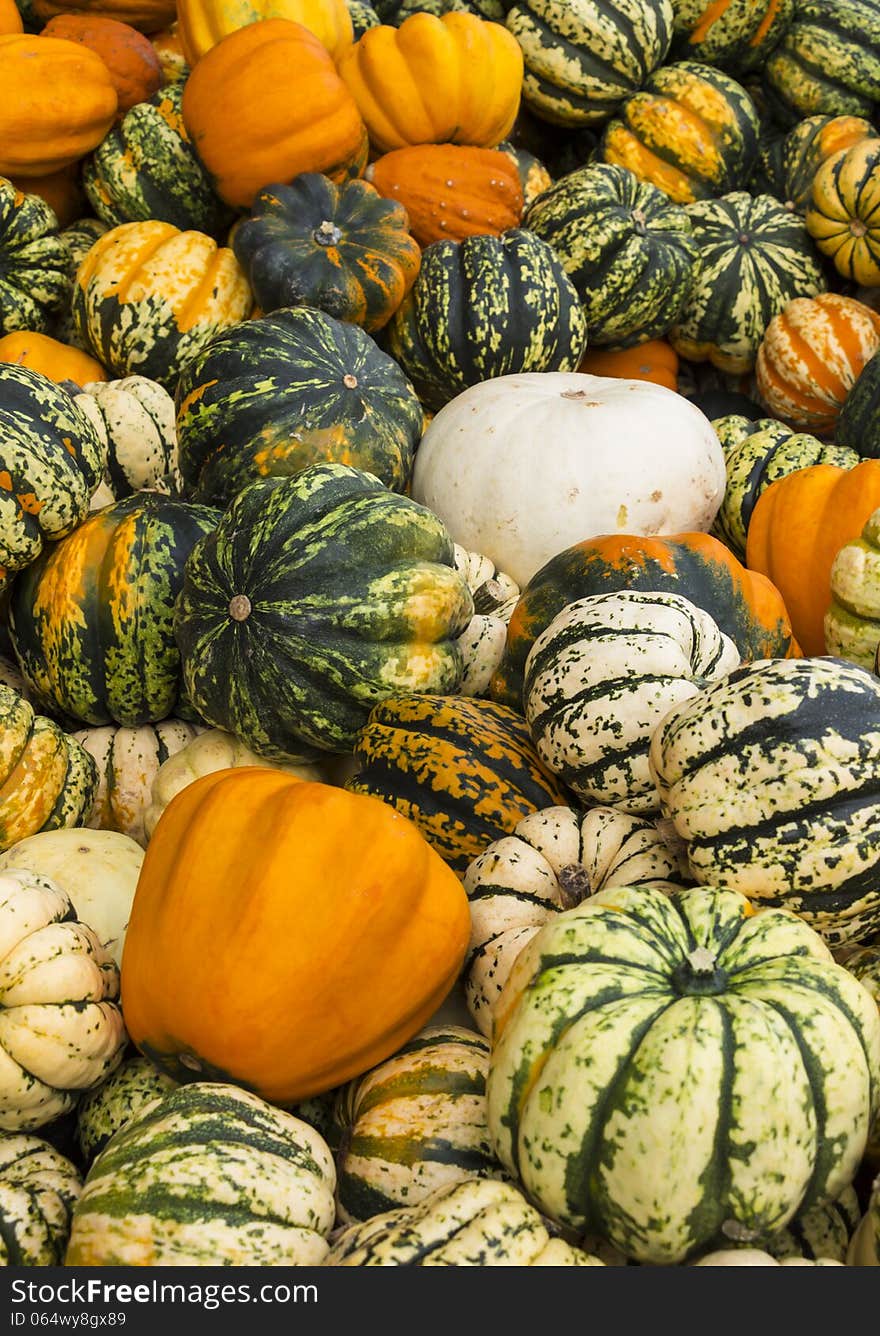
735,34
791,162
843,215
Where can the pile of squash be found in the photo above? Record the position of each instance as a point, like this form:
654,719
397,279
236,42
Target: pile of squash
439,632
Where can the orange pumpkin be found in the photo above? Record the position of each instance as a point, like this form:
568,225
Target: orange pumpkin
10,19
146,15
42,133
286,935
172,61
201,24
264,105
656,361
58,361
62,191
451,191
797,528
129,55
455,79
810,357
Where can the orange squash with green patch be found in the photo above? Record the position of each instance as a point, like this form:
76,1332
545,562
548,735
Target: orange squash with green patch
734,34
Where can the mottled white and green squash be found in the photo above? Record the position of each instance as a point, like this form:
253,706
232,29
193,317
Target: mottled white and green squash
601,676
667,1069
38,1188
128,761
772,779
823,1231
481,1222
483,639
864,963
554,859
135,417
212,749
414,1123
852,622
208,1175
61,1028
123,1096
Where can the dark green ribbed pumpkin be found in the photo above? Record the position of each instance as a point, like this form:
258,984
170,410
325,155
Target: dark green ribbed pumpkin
77,240
734,34
464,770
316,597
34,278
788,163
628,250
91,620
272,396
757,453
859,423
485,307
582,57
146,167
755,258
828,62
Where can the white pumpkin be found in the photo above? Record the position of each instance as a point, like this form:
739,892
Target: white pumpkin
38,1190
97,869
482,641
755,1257
521,467
135,417
61,1028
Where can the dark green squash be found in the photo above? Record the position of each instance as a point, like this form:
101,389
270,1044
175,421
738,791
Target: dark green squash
788,163
316,597
34,279
363,17
828,62
77,240
343,249
859,423
485,307
91,620
629,251
275,395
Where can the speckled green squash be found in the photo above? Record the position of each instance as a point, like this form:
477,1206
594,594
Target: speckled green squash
363,17
735,34
396,12
772,779
552,860
38,1188
414,1123
582,57
91,620
146,167
859,423
135,417
865,965
757,453
209,1175
34,280
100,1113
755,256
316,597
464,771
295,388
629,251
484,307
789,162
828,61
666,1069
600,678
77,240
51,461
478,1223
822,1231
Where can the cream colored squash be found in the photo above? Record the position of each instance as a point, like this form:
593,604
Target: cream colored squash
483,639
754,1257
521,467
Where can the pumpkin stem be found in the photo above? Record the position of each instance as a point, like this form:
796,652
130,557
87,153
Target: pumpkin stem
698,974
574,884
327,234
349,381
640,222
743,238
240,608
857,227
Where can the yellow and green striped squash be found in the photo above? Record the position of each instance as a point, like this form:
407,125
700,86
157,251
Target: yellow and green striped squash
842,213
207,1175
101,1112
790,162
34,278
38,1188
667,1070
735,34
828,62
465,771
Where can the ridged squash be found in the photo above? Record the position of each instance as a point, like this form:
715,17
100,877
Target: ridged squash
827,63
34,281
38,1187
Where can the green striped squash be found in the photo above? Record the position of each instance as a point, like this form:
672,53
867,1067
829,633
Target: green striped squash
481,643
756,454
484,307
289,390
828,62
51,461
691,130
77,240
414,1123
823,1231
735,34
865,965
629,251
464,771
480,1222
316,597
47,779
38,1189
208,1175
755,258
858,425
790,162
600,678
128,761
772,778
102,1112
582,57
553,859
135,417
91,619
852,622
61,1028
34,279
146,167
668,1069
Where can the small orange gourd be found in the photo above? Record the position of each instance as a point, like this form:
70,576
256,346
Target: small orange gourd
451,191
